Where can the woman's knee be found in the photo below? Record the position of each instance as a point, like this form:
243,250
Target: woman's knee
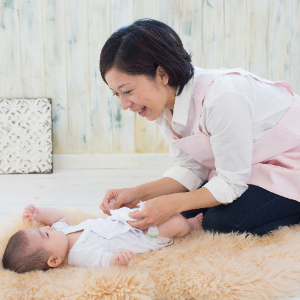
217,221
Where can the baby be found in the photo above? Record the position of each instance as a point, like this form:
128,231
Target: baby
94,242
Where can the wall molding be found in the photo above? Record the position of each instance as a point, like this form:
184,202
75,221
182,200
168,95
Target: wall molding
112,161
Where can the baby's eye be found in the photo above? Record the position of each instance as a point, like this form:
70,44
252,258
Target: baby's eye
116,94
47,234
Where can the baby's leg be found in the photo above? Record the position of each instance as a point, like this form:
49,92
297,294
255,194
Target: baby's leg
178,226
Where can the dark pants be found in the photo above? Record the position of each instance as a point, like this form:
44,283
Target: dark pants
257,211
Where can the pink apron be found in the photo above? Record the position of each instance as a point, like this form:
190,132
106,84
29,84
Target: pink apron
275,157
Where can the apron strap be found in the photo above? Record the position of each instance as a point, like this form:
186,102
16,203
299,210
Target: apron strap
207,79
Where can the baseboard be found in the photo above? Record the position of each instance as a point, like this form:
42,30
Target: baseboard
111,161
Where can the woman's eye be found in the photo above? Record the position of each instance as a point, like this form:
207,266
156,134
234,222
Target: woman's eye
126,93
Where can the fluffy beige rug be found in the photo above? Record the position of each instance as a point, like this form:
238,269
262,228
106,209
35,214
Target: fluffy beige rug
198,266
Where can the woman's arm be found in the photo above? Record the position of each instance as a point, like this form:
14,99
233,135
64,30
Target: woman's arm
160,209
228,114
130,197
160,187
201,198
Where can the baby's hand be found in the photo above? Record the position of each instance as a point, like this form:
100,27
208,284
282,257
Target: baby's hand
30,212
123,257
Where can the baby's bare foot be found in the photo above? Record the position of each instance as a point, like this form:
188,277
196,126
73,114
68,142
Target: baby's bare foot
196,222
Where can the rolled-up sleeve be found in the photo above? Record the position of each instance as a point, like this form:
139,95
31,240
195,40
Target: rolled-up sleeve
184,176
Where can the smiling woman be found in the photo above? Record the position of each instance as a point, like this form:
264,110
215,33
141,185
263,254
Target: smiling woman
230,132
146,97
132,51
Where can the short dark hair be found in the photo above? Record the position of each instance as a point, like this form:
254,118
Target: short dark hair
18,256
143,46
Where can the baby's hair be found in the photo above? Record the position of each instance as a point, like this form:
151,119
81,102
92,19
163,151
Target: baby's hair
18,256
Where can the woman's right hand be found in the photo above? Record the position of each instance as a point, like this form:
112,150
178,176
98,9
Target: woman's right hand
126,197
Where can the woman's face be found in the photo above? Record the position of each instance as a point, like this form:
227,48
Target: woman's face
141,95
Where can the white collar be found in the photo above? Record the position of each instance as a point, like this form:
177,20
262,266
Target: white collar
182,104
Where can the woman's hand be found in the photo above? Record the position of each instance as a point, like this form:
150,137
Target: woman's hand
156,211
124,197
30,212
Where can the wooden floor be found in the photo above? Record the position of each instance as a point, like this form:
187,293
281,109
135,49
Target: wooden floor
83,188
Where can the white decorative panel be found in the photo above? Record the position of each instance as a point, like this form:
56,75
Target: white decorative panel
25,136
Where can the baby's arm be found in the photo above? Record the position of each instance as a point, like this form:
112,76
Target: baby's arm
46,215
121,258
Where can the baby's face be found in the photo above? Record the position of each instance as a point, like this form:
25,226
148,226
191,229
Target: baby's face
53,241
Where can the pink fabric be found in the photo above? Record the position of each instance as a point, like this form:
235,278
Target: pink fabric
275,157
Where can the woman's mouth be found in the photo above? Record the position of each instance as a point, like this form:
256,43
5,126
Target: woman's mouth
143,111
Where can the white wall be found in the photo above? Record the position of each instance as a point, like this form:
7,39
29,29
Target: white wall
51,48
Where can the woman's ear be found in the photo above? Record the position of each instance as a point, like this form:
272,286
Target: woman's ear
53,261
162,76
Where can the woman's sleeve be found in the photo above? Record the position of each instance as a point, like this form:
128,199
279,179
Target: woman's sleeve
227,119
186,170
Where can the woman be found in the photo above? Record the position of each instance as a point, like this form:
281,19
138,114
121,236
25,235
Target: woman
231,133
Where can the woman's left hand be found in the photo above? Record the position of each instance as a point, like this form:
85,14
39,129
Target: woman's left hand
156,211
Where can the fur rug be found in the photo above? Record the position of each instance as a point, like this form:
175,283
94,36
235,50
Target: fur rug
198,266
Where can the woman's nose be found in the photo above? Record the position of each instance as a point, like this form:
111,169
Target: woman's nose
125,104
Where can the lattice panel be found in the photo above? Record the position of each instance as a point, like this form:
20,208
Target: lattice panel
25,136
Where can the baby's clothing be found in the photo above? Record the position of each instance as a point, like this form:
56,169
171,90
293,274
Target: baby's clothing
152,234
101,238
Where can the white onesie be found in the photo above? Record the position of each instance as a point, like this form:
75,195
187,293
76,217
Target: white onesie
101,238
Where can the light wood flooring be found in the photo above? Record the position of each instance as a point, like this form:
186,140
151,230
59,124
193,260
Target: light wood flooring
84,188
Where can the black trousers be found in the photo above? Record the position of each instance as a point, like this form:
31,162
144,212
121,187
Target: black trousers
257,211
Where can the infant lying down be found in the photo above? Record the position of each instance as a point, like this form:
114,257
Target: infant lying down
94,242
